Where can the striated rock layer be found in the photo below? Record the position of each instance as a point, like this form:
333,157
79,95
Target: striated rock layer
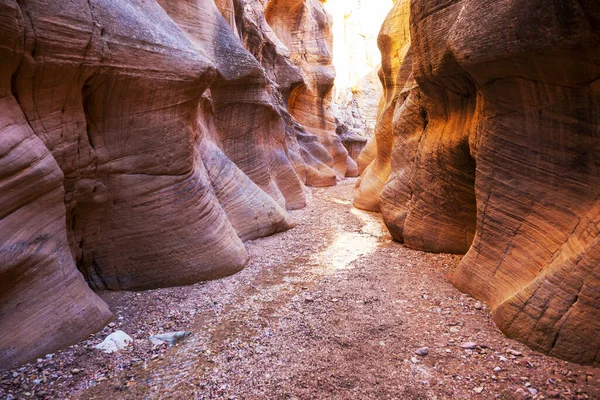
491,148
141,143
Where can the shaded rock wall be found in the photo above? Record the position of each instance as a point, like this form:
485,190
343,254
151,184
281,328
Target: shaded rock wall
141,143
304,28
496,136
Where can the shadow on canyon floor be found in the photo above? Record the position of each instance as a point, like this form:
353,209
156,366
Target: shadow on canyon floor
330,309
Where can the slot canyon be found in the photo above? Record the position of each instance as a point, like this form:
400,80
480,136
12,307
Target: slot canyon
299,199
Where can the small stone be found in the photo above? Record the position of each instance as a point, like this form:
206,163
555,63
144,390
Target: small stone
478,390
514,352
414,360
112,325
497,369
468,345
525,363
503,359
309,299
423,351
171,338
532,391
448,351
455,329
75,370
114,342
478,306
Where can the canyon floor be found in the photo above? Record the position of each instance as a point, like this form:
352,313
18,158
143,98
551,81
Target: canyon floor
330,309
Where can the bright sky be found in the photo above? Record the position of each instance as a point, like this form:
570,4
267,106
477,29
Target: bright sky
356,24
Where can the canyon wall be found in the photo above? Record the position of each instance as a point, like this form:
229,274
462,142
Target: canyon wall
489,145
142,143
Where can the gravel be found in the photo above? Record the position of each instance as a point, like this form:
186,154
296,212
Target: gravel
330,309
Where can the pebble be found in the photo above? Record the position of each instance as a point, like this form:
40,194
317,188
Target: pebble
514,352
478,306
468,345
423,351
309,299
532,391
497,369
478,390
170,338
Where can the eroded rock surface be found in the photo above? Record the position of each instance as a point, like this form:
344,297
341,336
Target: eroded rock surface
489,145
142,142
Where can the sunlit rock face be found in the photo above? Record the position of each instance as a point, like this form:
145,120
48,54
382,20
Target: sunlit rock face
375,161
141,143
495,153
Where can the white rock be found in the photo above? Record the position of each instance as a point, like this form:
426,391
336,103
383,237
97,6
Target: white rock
468,345
532,391
114,342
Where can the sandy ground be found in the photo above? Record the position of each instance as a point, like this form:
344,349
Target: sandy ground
332,309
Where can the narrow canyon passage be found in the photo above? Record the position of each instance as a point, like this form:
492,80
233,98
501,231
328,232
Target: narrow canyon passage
180,215
330,309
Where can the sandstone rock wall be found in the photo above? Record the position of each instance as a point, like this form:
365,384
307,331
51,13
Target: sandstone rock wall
141,143
496,136
304,28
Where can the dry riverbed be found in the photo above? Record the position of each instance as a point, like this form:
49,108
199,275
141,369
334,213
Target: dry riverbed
329,309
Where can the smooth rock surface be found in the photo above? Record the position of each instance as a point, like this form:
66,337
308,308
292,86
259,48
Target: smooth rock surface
489,146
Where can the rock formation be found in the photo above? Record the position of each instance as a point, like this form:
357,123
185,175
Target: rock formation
488,144
142,142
